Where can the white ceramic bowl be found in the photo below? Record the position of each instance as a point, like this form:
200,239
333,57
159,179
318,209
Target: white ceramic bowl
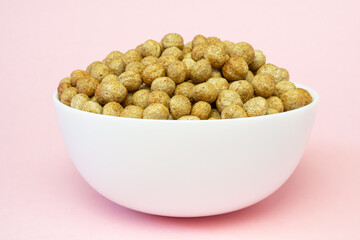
186,168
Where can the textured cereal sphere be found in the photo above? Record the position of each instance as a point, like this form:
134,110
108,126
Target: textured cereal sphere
271,111
173,51
201,71
131,80
249,76
180,106
216,55
98,95
172,40
233,111
202,110
88,69
272,70
256,106
110,77
259,60
62,87
284,75
152,72
228,46
189,117
67,95
149,60
226,98
189,62
243,88
136,67
115,54
116,65
306,94
264,85
282,87
186,50
65,80
294,99
166,60
151,48
198,52
235,68
87,85
219,82
177,71
204,92
113,91
188,45
159,97
216,73
165,84
141,98
187,55
128,100
215,114
92,107
94,98
275,103
132,56
156,111
76,75
132,111
243,50
198,40
185,89
112,109
99,71
79,100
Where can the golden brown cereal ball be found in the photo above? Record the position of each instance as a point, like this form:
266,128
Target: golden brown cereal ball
156,111
284,75
159,97
282,87
62,87
259,60
189,117
172,40
132,81
233,111
67,95
79,100
87,85
110,77
186,50
226,98
135,67
216,73
116,65
99,71
98,95
279,75
132,56
293,99
141,98
152,72
92,107
128,100
308,97
185,89
215,114
275,103
149,60
132,111
264,85
180,106
201,71
198,40
113,91
249,76
77,75
112,109
216,55
219,82
188,45
94,98
166,60
88,69
271,111
189,62
173,51
65,80
228,46
177,71
205,92
187,55
202,110
151,48
243,50
165,84
114,54
243,88
198,52
256,106
235,68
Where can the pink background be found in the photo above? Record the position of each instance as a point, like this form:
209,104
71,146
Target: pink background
43,197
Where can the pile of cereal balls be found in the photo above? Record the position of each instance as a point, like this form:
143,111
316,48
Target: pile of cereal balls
205,79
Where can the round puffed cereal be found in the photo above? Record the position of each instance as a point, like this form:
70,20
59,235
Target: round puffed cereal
92,107
166,60
233,111
172,40
272,70
67,95
228,46
243,88
110,77
98,95
152,72
113,91
177,71
226,98
131,80
198,40
76,75
308,97
94,98
275,103
87,85
271,111
188,45
216,55
198,52
185,89
219,82
116,65
293,99
180,106
65,80
186,50
282,87
189,117
215,73
159,97
202,110
114,54
156,111
173,51
189,62
205,92
112,109
79,100
132,56
256,106
128,100
151,48
149,60
165,84
99,71
264,85
88,69
258,61
243,50
215,114
201,71
249,76
235,68
132,111
62,87
284,75
136,67
187,55
141,98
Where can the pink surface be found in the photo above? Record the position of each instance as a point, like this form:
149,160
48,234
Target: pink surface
43,197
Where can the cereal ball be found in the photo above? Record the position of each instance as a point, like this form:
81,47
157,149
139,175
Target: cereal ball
198,40
187,55
151,48
149,60
79,100
132,111
215,73
189,62
177,71
243,88
215,114
233,111
116,65
87,85
259,60
141,98
243,50
166,60
62,87
219,82
159,97
92,107
202,110
77,75
293,99
188,45
152,72
114,54
185,89
198,52
172,40
94,98
201,71
180,106
189,117
306,94
249,76
235,68
110,77
132,81
205,92
173,51
67,95
271,111
264,85
228,46
88,69
284,75
135,67
156,111
165,84
275,103
226,98
132,56
128,100
113,91
282,87
112,109
99,71
273,70
186,50
98,95
216,55
256,106
65,80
